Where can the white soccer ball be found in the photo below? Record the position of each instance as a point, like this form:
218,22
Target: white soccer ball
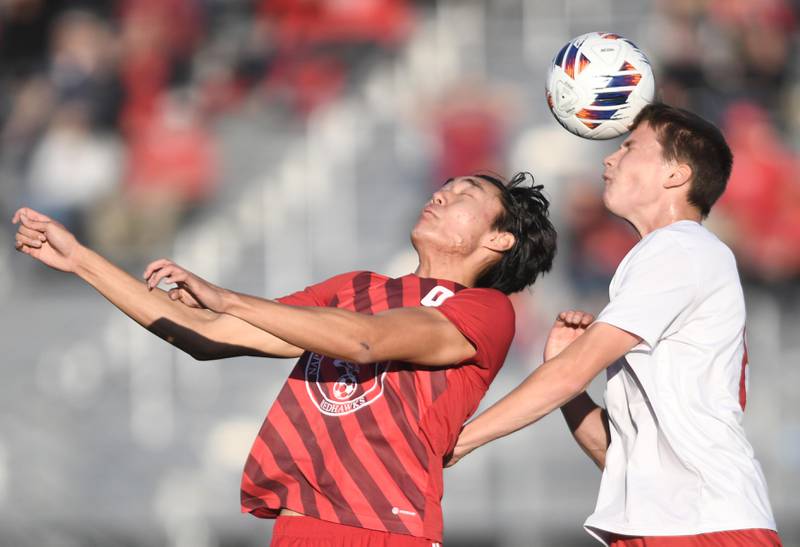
597,83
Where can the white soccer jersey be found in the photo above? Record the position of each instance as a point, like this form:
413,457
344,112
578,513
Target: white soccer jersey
678,462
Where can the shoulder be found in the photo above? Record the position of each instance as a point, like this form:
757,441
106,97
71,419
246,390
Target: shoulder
365,276
486,318
667,257
485,295
671,244
490,304
698,245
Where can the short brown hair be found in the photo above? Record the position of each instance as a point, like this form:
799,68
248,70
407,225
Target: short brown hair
688,138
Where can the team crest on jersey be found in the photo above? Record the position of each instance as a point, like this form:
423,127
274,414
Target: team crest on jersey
338,387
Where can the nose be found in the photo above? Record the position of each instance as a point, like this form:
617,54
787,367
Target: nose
438,197
609,160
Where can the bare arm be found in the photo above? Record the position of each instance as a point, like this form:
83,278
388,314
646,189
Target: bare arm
552,385
589,426
200,333
417,335
587,421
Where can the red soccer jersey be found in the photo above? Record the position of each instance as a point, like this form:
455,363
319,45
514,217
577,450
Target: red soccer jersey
363,445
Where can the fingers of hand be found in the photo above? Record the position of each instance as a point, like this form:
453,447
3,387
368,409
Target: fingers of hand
178,294
575,318
183,296
155,278
31,233
572,317
27,240
170,273
30,214
28,222
155,265
21,247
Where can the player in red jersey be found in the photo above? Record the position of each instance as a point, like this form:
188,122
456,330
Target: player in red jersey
352,450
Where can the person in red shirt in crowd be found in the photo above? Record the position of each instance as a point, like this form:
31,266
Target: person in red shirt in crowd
389,369
761,207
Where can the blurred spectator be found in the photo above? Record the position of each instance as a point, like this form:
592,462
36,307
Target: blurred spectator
23,26
731,61
317,43
595,241
302,24
73,167
158,40
726,49
470,124
307,82
172,168
83,66
30,112
761,206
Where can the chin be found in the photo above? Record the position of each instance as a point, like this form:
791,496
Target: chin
607,201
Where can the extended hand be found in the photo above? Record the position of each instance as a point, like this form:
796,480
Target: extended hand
45,240
566,328
189,289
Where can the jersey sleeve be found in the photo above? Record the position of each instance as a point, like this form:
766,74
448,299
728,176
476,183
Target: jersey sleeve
486,318
319,294
654,287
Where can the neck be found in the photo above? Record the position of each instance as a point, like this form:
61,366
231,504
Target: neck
452,268
663,216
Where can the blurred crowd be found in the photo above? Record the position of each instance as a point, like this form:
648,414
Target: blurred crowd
733,61
107,108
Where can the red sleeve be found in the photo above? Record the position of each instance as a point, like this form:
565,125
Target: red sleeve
319,294
486,318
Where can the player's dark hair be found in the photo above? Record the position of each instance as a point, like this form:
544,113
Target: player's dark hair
525,215
686,137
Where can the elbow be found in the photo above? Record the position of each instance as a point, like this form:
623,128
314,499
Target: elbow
362,353
363,345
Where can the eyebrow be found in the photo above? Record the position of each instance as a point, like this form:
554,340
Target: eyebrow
474,182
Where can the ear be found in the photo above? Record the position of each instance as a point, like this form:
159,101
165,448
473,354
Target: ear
680,174
500,241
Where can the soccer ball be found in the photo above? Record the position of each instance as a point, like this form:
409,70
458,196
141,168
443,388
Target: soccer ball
597,83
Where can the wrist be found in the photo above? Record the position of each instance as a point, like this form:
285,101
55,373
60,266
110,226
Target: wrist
80,260
228,301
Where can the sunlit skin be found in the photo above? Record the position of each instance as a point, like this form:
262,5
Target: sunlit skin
645,189
454,240
453,235
650,192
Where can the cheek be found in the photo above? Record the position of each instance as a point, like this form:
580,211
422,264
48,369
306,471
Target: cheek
467,228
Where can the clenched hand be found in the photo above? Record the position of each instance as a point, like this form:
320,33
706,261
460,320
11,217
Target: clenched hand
46,240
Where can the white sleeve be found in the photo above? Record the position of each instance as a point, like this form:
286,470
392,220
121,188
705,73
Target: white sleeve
652,289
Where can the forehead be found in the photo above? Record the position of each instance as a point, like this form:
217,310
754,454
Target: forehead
645,135
479,184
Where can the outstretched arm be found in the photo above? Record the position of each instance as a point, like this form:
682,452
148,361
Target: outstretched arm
417,335
552,385
201,333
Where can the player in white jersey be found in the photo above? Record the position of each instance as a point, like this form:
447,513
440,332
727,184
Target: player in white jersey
677,467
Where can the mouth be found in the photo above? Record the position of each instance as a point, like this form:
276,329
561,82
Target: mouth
429,210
